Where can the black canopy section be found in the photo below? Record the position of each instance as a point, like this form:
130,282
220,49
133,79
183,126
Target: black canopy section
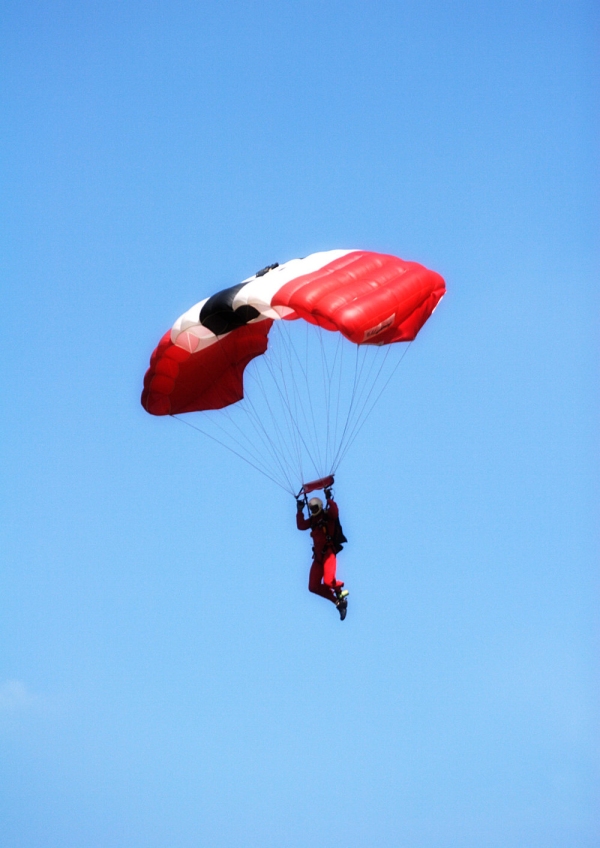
219,315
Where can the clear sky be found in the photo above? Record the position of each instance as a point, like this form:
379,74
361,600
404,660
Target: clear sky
165,677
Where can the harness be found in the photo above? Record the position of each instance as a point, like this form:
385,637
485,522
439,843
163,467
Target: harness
322,523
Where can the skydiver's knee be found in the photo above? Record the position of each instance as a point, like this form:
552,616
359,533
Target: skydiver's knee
314,580
314,583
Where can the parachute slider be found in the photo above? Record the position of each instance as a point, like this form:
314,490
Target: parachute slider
322,483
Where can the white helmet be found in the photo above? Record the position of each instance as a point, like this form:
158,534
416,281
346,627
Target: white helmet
315,505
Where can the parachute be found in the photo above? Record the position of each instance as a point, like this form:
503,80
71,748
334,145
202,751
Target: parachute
320,324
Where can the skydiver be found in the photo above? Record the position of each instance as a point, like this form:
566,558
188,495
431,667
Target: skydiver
326,534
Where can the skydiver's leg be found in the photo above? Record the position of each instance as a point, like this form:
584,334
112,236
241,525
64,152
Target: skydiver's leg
314,582
329,568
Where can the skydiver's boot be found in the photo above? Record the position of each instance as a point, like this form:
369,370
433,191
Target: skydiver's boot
342,602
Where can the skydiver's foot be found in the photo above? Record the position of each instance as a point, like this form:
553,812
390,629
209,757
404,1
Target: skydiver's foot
342,607
341,594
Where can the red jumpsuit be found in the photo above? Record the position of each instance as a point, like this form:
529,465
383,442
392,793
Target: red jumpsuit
321,579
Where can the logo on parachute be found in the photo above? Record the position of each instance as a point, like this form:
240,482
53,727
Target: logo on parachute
374,331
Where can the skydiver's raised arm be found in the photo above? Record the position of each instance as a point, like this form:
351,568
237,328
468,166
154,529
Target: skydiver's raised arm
302,523
332,508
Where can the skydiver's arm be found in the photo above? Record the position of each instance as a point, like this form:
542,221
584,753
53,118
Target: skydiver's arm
332,509
302,523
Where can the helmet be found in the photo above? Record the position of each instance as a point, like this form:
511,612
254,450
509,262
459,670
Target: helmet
315,505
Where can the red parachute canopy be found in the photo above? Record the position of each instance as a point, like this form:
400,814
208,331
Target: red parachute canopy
370,298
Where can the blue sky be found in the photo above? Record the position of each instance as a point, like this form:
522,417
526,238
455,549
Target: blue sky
165,677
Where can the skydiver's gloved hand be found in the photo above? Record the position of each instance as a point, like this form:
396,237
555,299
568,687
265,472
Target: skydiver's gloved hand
299,505
328,494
